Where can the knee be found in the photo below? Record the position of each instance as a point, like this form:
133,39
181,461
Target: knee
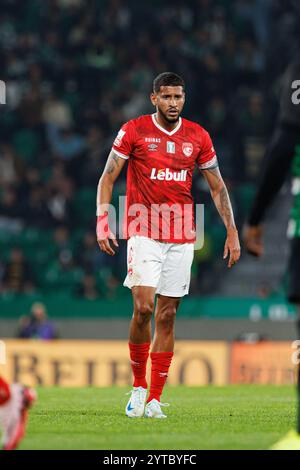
166,317
143,312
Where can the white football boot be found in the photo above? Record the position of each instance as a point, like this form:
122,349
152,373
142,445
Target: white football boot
136,406
153,409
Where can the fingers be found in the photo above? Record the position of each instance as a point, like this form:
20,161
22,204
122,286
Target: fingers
105,247
104,244
225,254
114,240
234,257
232,246
231,260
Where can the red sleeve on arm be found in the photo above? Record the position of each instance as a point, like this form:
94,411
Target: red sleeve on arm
207,156
124,142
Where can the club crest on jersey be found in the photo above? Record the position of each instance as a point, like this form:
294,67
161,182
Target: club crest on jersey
187,149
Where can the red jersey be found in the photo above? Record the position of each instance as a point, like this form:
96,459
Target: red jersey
159,203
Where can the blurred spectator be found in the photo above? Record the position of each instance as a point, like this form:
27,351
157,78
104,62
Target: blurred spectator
255,128
90,258
59,201
36,211
114,289
17,275
65,142
62,244
36,325
9,166
30,109
30,180
57,112
95,156
88,288
9,206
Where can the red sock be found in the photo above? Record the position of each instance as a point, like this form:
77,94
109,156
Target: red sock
161,362
4,392
139,354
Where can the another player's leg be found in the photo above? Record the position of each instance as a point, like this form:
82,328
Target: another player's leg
15,400
139,345
162,352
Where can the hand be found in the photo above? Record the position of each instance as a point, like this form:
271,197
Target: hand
105,246
104,234
232,247
253,240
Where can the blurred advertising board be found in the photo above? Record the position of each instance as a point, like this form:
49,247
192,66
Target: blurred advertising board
71,363
266,362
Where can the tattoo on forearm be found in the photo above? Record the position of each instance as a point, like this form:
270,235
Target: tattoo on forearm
112,163
220,195
224,207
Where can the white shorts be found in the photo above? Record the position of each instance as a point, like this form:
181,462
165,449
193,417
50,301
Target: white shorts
165,266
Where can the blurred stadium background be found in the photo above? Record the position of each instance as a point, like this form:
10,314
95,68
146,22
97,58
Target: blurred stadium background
74,73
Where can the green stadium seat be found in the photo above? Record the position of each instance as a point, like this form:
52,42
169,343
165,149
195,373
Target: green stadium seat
84,205
26,144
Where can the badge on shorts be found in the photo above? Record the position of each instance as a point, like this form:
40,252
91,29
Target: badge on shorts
187,149
130,259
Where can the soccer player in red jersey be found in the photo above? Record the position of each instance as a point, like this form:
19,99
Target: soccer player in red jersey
162,150
15,401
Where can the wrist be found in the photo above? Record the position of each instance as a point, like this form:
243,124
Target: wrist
102,228
102,216
231,229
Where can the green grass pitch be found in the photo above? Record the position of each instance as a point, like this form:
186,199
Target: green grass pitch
233,417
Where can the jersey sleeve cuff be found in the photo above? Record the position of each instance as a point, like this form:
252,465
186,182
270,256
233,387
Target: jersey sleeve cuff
121,155
212,163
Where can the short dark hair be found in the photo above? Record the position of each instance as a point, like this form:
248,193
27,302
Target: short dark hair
167,79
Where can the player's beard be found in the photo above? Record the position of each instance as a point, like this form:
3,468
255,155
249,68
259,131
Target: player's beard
170,119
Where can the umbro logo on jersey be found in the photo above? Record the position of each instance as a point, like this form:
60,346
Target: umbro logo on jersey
168,175
152,147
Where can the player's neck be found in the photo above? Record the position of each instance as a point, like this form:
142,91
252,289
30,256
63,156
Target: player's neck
168,126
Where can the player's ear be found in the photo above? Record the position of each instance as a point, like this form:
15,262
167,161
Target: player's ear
153,98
